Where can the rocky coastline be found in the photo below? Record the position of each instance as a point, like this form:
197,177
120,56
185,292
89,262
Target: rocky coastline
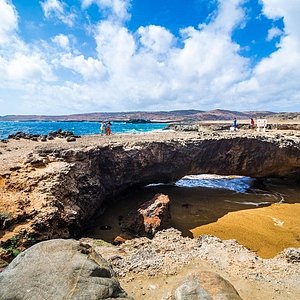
51,189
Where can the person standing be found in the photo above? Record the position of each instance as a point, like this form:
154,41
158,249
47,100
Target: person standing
234,124
252,123
103,128
108,128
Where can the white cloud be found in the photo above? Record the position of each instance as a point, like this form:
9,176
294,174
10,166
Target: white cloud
277,77
89,68
27,68
288,9
115,46
134,77
230,16
8,21
156,38
118,9
52,6
19,62
273,33
62,41
56,9
147,69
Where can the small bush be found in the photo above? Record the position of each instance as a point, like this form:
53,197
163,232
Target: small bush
101,243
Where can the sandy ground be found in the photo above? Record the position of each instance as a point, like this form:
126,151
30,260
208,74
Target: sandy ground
266,231
142,287
152,269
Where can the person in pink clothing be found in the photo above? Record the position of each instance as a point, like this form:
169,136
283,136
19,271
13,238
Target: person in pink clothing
108,128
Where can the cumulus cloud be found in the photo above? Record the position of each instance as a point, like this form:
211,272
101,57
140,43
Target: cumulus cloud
229,16
275,80
89,69
273,33
115,46
114,9
28,67
56,9
156,38
8,21
62,41
19,62
147,69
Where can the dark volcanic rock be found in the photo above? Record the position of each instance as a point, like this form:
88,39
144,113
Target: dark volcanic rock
69,135
60,269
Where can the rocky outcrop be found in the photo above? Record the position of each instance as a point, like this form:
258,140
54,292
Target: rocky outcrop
152,216
60,269
68,135
155,268
205,286
56,187
207,126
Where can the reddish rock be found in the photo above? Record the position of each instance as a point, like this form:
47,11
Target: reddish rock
119,240
151,217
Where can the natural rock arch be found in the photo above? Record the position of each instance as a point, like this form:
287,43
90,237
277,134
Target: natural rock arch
76,180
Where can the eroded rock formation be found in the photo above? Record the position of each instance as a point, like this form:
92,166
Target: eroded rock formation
52,189
152,216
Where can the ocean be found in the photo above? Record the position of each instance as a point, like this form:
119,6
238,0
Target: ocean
78,128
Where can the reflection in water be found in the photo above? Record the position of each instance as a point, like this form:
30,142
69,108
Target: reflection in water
197,200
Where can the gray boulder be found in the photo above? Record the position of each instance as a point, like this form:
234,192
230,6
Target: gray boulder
205,286
59,269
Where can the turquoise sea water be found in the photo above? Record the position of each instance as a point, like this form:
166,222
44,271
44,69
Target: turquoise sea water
79,128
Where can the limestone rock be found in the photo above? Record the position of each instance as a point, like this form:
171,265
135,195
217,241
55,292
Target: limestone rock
71,139
206,286
151,217
291,255
68,183
60,269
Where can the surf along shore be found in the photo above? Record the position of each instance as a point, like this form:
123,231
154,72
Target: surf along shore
49,189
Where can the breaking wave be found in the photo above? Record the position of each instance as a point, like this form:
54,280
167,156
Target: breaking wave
239,184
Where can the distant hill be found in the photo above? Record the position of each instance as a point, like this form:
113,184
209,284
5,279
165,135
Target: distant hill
164,116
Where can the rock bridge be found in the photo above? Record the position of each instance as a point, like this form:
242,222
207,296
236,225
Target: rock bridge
58,186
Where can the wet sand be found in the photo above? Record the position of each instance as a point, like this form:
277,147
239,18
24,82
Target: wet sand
267,230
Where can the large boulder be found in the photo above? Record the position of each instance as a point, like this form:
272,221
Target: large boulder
59,269
151,217
205,286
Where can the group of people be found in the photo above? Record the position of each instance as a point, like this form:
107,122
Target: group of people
251,125
105,128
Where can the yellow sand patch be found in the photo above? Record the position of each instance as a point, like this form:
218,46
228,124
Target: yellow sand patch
2,181
267,230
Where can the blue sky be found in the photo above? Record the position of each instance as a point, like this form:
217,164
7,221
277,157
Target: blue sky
70,56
